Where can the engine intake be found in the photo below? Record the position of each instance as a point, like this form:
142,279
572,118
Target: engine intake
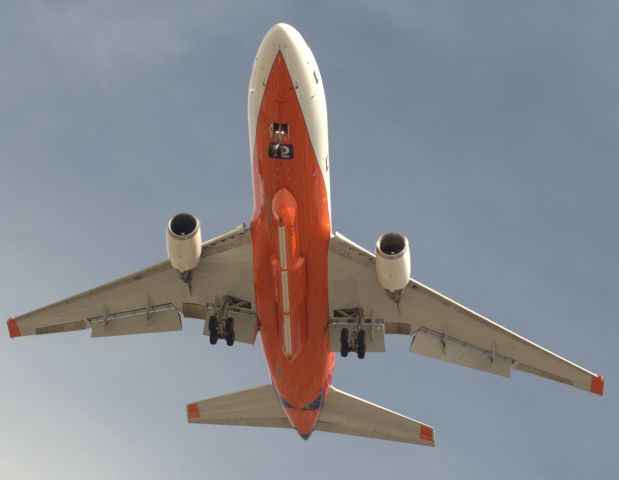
393,261
184,242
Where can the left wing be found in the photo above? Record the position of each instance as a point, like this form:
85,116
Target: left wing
152,300
440,327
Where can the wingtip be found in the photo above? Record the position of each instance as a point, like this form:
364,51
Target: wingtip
597,385
13,328
193,411
426,434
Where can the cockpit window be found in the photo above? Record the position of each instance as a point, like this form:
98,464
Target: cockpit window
279,131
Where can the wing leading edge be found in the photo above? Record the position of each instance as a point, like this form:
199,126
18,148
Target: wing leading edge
442,328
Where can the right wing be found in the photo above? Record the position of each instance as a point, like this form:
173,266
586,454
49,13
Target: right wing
440,327
152,300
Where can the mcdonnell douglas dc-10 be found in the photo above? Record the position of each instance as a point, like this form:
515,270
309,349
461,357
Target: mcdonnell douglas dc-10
310,292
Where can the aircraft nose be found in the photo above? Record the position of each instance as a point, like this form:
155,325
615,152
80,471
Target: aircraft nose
287,40
282,34
280,38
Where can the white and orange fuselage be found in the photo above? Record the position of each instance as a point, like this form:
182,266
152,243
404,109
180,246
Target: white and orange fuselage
291,221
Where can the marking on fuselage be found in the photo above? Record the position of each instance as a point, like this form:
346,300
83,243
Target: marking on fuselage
283,254
287,335
283,260
283,151
285,292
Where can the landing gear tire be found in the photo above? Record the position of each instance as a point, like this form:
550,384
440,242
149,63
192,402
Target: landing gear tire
344,342
229,331
212,329
361,344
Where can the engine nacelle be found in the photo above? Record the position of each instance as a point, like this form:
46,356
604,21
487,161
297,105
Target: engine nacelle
184,242
393,261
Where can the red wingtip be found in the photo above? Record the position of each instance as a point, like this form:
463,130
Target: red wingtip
13,328
426,433
597,385
193,411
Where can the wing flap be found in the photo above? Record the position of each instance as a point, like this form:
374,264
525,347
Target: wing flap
443,347
163,318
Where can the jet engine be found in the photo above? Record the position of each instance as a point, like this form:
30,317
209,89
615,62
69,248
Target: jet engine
184,242
393,261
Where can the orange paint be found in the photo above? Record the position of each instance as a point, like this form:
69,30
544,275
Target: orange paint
291,193
193,410
13,328
285,208
426,433
597,385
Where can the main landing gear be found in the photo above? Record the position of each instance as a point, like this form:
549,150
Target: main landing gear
350,331
215,332
352,337
350,343
221,325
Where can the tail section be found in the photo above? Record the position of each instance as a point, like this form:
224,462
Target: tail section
342,413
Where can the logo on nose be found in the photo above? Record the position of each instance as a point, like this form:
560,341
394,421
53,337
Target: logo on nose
283,151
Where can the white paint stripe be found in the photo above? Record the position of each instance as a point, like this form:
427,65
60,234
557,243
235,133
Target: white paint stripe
283,254
285,293
287,336
283,260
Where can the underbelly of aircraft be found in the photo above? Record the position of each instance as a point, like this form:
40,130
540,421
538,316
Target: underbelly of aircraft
290,235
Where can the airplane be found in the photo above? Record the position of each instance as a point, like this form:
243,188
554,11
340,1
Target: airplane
308,291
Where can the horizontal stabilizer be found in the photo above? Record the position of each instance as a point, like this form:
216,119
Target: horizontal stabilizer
256,407
341,413
350,415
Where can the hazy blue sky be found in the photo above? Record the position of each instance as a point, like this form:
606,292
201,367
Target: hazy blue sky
486,131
